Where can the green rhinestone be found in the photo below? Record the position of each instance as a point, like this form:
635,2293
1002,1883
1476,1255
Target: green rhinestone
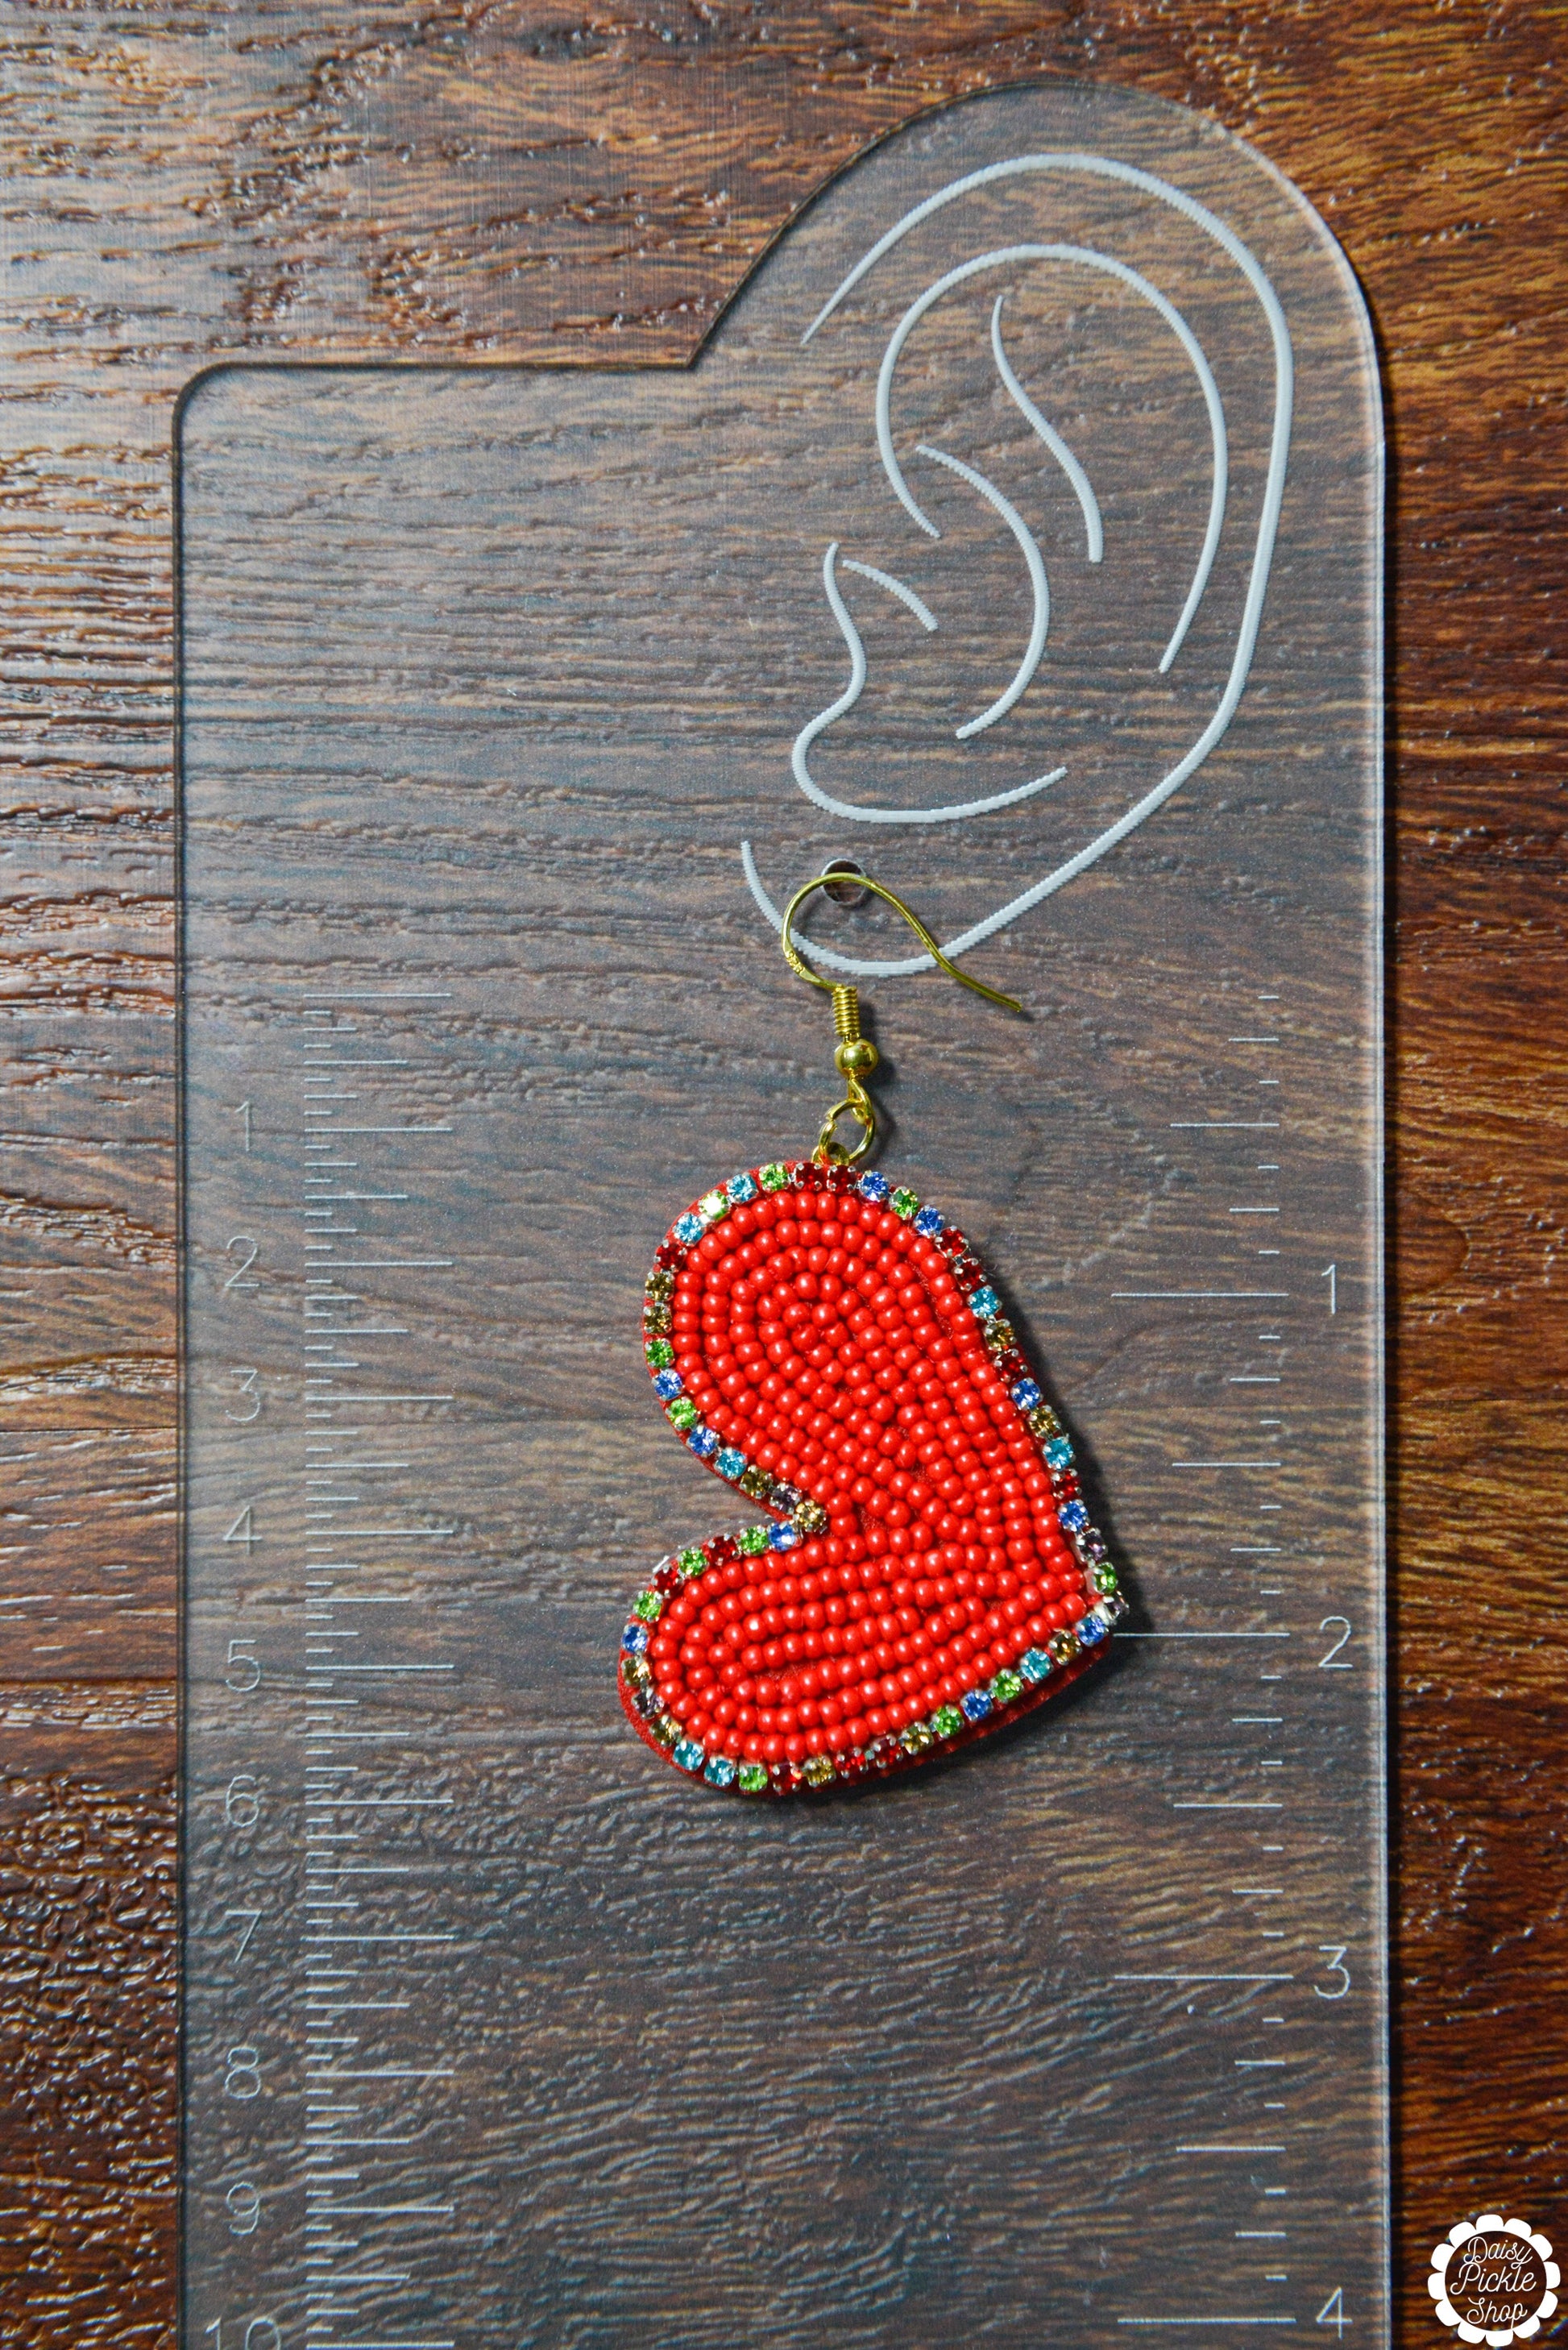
681,1413
916,1738
752,1778
713,1206
903,1203
1103,1579
773,1178
1043,1422
1006,1686
1063,1647
657,1320
817,1770
649,1606
690,1563
667,1730
755,1482
660,1353
947,1722
751,1541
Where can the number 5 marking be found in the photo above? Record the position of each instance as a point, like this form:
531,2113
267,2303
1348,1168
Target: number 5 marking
1335,1953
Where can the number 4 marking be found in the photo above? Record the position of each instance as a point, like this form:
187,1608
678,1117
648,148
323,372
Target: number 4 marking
243,1531
1333,2312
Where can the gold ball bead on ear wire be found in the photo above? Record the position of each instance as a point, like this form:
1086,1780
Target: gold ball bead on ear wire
856,1058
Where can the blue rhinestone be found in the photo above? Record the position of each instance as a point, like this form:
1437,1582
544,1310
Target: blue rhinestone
687,1229
976,1704
783,1537
1058,1453
873,1187
688,1755
1073,1516
634,1639
1091,1629
930,1223
731,1463
1025,1395
985,1303
703,1442
741,1187
721,1771
668,1384
1034,1665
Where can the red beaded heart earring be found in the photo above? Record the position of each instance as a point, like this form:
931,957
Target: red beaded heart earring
834,1349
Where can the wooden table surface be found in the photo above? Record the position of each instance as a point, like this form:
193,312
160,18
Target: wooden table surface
465,179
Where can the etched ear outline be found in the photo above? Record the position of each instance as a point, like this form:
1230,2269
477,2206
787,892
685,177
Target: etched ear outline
1101,167
814,727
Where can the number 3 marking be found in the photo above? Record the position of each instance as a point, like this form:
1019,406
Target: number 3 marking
1335,1953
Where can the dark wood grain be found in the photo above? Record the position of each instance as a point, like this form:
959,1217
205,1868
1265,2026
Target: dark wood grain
180,183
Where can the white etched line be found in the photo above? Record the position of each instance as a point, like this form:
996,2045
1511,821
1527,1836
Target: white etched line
1203,1979
1254,1211
1193,1805
1081,487
1229,1296
1204,1636
1222,1125
1251,1040
1229,2148
1028,546
906,596
1253,1379
1206,2321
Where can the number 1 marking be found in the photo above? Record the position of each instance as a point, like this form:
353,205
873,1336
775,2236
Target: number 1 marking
243,1112
1331,1275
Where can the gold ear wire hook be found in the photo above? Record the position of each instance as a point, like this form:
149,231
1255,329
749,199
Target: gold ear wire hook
855,1056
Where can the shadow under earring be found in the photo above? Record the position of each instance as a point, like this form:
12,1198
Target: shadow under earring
831,1346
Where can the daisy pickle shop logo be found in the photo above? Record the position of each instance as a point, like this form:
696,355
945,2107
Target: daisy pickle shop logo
1494,2280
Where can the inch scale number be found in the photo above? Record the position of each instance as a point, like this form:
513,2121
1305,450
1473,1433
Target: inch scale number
326,1891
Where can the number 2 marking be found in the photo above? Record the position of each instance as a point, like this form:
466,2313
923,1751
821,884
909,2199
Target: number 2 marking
1326,1664
236,1279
